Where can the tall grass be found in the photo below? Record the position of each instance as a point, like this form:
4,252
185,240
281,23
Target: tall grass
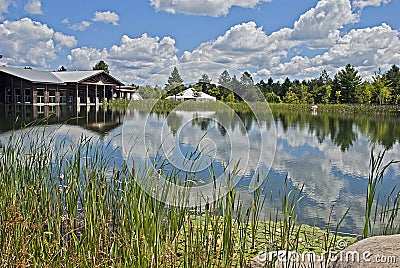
73,205
380,211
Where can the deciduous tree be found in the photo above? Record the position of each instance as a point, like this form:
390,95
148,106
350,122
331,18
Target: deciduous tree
382,89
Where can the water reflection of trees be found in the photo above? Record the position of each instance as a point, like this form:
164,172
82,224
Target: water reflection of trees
174,121
247,122
203,122
342,133
343,129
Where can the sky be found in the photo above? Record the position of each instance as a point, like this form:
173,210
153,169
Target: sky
140,38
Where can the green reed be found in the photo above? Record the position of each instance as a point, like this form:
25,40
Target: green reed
384,214
72,205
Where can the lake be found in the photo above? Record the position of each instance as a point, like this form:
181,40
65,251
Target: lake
327,154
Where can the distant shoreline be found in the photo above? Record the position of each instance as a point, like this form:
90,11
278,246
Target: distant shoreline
245,107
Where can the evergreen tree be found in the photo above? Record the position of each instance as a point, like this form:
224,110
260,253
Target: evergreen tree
224,79
236,87
205,79
315,88
249,91
246,87
205,83
246,80
224,82
393,77
175,78
174,85
324,77
282,89
101,65
276,88
335,90
263,87
348,81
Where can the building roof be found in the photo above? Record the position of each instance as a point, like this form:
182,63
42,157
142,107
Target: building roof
32,75
75,76
37,76
95,77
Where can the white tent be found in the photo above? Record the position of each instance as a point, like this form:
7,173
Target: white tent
192,94
136,96
206,97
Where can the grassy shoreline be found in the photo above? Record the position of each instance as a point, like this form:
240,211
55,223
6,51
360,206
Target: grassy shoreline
165,105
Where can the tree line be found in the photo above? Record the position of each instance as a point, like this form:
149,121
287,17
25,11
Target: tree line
346,86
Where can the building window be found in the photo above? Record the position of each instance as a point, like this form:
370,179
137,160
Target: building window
18,97
8,95
63,96
71,96
40,95
52,96
27,95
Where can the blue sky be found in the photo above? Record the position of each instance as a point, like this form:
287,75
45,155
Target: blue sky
269,38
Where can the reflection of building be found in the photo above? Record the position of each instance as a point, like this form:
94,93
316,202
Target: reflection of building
27,86
192,94
94,118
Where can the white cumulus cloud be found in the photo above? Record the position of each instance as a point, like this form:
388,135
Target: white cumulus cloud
34,7
133,60
242,46
320,26
213,8
106,17
4,4
65,40
316,41
365,3
248,46
283,53
29,43
81,26
84,58
367,49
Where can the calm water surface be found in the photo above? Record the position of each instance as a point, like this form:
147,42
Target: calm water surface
327,153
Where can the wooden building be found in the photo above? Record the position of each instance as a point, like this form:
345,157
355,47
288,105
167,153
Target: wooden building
28,86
